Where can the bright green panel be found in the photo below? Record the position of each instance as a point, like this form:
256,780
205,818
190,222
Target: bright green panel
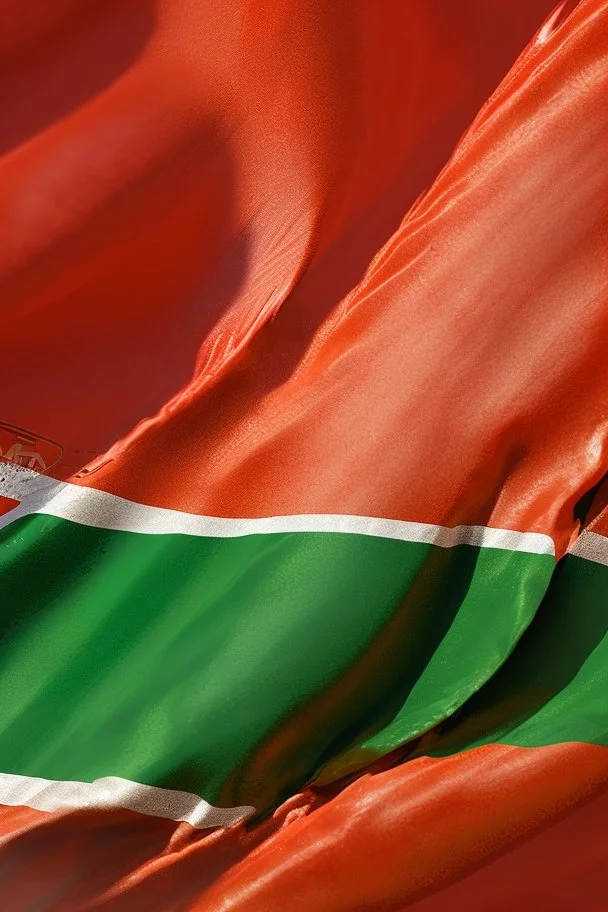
233,667
554,687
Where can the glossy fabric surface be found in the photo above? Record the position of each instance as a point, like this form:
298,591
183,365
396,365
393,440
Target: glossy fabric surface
341,264
409,373
384,843
231,668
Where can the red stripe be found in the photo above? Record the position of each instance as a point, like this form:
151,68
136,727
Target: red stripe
119,859
397,836
386,840
561,869
472,434
192,209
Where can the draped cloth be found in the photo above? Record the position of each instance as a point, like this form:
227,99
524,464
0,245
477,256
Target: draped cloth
303,455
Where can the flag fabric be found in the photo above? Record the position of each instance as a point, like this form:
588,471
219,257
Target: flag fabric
303,440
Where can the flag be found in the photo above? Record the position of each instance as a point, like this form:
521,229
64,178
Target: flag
303,523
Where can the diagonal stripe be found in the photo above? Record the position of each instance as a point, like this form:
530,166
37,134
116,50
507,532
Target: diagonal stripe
90,507
112,792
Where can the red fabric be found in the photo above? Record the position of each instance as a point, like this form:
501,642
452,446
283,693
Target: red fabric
560,869
465,368
511,814
175,172
217,281
391,838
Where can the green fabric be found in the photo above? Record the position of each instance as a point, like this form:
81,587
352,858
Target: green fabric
233,668
554,688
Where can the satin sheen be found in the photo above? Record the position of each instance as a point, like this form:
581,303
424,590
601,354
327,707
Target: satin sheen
347,258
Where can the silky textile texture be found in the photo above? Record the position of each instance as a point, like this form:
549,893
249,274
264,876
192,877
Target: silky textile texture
303,455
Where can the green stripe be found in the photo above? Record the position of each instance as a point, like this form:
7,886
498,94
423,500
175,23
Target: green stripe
554,688
232,668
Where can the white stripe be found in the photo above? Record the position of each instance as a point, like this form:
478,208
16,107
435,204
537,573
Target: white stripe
592,546
111,792
90,507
